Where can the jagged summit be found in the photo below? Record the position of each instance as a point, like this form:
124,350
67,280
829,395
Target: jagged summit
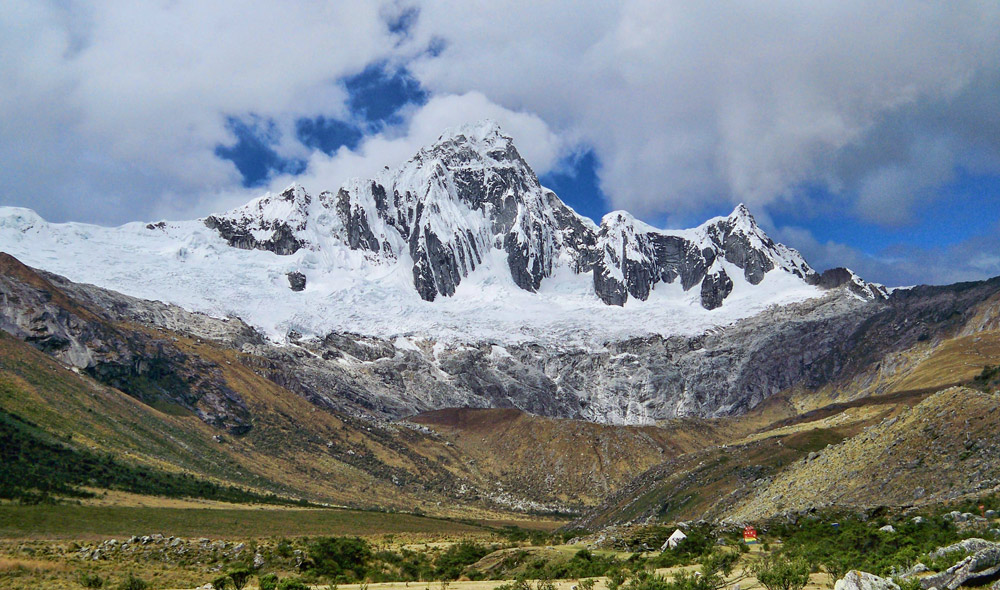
469,201
486,133
464,224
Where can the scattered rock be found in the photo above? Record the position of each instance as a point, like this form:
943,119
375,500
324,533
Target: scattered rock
858,580
888,529
917,569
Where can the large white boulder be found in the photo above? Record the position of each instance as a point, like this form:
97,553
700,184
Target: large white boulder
858,580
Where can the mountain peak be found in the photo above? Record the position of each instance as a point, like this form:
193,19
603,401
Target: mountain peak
741,211
482,140
742,218
483,131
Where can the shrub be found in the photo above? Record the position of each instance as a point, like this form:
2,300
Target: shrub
133,583
340,558
292,584
220,583
777,572
239,577
615,579
837,565
268,582
450,564
89,580
646,580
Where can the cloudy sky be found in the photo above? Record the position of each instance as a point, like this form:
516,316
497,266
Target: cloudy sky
864,134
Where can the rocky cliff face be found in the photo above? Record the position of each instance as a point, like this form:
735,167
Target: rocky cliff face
838,338
470,200
635,257
87,337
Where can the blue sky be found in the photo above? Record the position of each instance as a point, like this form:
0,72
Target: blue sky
877,147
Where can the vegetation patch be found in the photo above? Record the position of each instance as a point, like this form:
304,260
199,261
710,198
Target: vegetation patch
36,467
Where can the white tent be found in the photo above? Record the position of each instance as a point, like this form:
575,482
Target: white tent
674,539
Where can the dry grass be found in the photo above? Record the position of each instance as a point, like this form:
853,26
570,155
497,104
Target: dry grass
27,565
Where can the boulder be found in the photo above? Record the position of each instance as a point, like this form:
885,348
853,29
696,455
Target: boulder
888,529
982,564
858,580
917,569
966,545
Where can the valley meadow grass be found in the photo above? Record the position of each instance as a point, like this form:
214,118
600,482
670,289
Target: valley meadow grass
98,522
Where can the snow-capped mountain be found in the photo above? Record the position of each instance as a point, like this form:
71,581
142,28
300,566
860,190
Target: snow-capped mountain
460,242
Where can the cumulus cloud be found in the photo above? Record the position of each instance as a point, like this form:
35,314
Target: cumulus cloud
113,110
110,108
693,104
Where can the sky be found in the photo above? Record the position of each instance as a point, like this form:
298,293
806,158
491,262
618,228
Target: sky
863,134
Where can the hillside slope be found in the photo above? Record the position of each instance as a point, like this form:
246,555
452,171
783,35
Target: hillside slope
567,460
943,448
154,385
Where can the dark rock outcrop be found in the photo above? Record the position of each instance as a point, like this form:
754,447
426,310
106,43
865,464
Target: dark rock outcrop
715,288
296,281
262,216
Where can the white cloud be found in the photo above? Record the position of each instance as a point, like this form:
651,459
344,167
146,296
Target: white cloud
693,104
112,110
109,108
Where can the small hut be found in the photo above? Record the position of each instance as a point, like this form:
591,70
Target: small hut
674,539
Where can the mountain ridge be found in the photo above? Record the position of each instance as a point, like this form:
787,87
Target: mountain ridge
471,192
463,224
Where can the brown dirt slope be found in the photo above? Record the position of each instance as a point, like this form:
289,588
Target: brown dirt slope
943,448
570,461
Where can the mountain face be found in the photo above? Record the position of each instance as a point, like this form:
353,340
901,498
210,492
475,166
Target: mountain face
459,244
441,213
455,280
456,203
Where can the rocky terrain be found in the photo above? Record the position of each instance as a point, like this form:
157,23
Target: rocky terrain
470,193
940,449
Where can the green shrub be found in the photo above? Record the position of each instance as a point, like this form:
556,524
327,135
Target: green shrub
220,583
646,580
615,579
777,572
453,561
240,577
343,559
133,583
857,544
939,564
292,584
90,580
837,565
268,582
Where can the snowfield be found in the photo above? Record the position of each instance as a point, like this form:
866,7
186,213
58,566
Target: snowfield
187,264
